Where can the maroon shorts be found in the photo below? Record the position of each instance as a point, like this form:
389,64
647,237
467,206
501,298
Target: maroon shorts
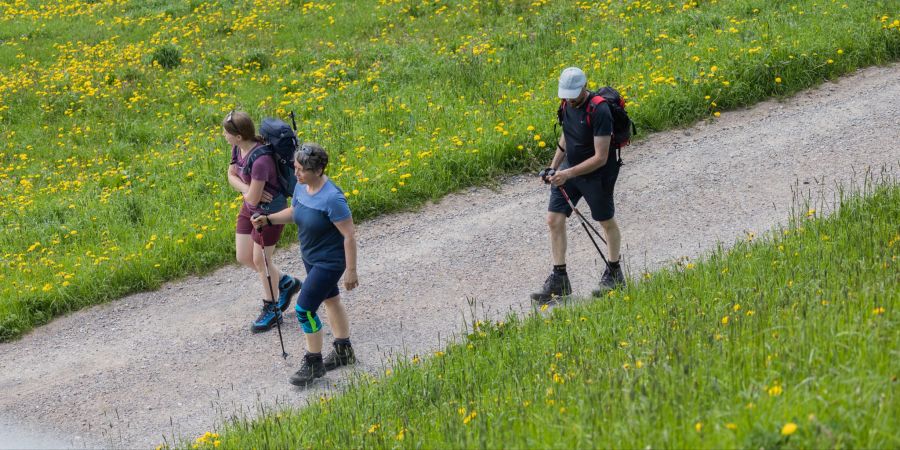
269,234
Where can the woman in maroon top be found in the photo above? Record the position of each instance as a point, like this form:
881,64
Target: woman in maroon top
258,183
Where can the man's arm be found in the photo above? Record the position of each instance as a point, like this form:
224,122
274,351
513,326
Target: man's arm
601,153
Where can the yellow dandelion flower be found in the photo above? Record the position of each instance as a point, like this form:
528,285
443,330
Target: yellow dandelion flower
778,80
198,236
698,426
731,426
788,429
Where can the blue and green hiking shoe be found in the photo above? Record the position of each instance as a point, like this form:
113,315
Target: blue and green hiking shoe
268,318
289,287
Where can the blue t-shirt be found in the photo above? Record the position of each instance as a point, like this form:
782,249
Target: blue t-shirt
321,243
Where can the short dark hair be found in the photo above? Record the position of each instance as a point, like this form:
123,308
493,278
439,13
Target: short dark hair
311,156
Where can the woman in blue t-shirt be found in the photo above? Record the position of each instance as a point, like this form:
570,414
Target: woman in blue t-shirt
328,246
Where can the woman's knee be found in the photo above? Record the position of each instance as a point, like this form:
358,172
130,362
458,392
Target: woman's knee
258,262
244,258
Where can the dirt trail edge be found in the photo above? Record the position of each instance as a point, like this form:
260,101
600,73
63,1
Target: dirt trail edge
174,362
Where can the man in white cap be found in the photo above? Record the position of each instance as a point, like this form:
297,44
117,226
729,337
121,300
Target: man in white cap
585,166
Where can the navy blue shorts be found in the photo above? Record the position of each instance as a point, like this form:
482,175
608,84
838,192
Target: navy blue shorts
596,188
320,285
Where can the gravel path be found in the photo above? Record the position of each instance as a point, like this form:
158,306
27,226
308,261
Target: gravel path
175,361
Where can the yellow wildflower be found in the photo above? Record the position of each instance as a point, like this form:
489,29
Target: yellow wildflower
788,429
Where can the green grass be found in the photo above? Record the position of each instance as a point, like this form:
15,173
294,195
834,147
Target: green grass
800,328
112,165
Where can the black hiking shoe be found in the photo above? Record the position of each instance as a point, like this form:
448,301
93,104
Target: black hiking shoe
311,368
342,355
555,286
610,280
268,318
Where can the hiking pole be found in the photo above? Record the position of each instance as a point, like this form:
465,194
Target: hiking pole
271,289
585,225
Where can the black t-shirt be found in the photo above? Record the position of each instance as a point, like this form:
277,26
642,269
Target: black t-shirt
580,136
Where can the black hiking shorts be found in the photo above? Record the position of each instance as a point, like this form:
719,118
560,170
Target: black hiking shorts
597,189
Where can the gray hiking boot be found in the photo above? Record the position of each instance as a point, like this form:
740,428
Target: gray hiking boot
610,280
342,355
555,286
311,368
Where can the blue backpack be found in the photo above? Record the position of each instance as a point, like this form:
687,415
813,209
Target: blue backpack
281,143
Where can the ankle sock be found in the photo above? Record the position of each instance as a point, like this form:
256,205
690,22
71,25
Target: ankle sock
342,341
314,356
559,269
614,265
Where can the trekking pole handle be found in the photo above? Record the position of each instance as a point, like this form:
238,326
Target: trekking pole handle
293,121
257,216
546,174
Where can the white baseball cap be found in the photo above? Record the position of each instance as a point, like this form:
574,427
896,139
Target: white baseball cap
571,82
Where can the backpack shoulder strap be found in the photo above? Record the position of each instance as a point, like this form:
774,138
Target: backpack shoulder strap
261,150
594,101
561,111
592,105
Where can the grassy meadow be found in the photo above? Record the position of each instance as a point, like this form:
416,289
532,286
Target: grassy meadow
784,341
112,166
